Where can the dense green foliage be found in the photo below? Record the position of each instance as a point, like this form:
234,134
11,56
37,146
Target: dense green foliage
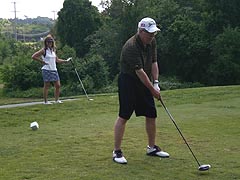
76,21
198,43
225,68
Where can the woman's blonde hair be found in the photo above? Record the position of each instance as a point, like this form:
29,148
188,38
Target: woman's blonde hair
49,38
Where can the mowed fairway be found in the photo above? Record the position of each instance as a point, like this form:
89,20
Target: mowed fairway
75,139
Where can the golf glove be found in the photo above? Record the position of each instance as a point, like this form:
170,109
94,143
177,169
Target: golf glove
69,59
155,85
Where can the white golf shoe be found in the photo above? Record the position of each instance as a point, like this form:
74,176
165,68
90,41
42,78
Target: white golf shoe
58,102
156,151
47,103
118,157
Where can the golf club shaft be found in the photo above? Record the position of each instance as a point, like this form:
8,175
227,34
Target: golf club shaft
81,83
171,117
79,79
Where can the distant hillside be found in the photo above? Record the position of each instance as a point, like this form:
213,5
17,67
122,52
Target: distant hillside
39,20
27,29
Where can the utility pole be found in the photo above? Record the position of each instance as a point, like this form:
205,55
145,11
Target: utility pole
54,15
15,20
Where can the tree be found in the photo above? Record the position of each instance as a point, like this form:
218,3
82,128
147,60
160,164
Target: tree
221,14
225,70
119,23
5,50
189,49
77,20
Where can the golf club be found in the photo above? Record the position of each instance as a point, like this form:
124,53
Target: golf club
203,167
90,99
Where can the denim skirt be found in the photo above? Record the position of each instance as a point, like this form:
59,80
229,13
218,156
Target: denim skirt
50,76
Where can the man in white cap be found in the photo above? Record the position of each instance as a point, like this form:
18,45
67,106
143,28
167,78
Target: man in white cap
138,86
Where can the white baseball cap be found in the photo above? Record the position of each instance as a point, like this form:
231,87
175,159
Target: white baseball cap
148,24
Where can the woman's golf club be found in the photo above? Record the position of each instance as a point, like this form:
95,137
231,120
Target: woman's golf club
203,167
70,59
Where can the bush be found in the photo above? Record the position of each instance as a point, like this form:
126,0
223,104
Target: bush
30,93
225,70
22,74
167,83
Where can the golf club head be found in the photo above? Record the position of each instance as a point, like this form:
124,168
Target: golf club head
90,99
204,167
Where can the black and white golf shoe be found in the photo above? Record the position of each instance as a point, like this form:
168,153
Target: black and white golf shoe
118,157
156,151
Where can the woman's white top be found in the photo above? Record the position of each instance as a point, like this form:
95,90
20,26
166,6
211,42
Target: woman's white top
50,59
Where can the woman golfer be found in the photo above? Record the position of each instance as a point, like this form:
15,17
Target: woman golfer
47,56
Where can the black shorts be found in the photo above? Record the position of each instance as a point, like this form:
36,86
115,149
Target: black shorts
134,96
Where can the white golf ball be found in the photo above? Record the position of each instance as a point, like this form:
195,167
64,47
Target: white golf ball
34,125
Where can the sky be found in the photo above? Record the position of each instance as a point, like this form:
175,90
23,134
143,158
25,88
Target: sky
33,8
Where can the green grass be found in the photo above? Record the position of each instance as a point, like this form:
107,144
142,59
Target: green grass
75,139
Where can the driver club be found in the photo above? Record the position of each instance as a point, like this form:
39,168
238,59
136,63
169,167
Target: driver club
90,99
203,167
